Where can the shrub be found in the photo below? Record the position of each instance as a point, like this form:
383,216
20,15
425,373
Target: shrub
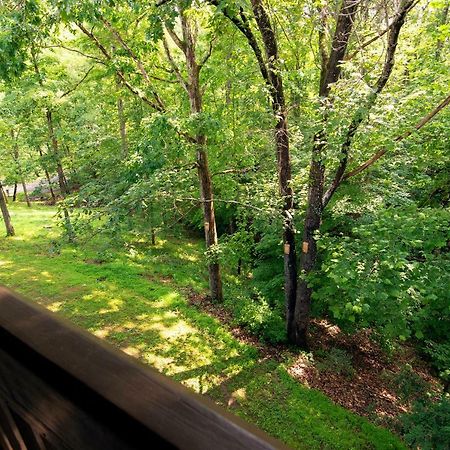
409,385
335,360
255,314
428,426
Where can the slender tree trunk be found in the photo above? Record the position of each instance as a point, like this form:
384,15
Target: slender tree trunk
47,175
290,254
55,146
308,258
25,192
204,174
54,142
19,168
206,193
123,127
5,213
331,72
61,178
15,191
271,74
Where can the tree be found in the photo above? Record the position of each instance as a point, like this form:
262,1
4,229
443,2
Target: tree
5,213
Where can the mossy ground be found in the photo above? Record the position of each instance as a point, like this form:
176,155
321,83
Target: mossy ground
132,296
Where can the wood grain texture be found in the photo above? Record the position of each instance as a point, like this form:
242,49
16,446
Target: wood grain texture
69,385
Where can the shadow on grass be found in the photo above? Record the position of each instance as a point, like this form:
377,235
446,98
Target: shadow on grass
134,300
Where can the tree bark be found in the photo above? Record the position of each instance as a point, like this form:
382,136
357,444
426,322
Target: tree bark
55,146
123,127
15,191
308,257
5,213
19,168
47,175
188,47
331,72
271,74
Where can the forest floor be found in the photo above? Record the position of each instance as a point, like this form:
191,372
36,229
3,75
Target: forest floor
150,302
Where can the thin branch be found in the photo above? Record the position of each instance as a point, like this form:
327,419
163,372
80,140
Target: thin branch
120,74
232,202
78,84
98,60
178,41
175,69
242,24
134,57
128,49
362,113
399,138
378,35
208,54
241,171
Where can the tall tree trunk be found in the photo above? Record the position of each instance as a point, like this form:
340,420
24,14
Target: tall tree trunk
25,192
47,175
15,191
123,127
331,72
271,74
308,258
54,142
204,174
55,146
290,254
5,213
19,168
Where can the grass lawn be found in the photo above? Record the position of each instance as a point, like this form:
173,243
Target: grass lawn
132,296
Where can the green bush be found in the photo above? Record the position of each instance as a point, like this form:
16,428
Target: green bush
408,385
335,360
427,427
255,314
388,272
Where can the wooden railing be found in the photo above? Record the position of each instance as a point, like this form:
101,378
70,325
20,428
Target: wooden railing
62,388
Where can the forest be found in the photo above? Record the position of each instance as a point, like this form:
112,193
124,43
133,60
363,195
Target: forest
251,196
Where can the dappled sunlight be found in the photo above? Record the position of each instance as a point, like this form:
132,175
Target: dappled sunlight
138,304
114,305
132,351
177,330
55,306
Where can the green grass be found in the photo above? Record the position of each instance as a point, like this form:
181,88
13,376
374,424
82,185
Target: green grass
134,299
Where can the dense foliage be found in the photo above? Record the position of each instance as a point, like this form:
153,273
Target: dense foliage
117,105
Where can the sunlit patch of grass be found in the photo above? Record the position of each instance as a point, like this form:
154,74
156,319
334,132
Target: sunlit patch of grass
134,299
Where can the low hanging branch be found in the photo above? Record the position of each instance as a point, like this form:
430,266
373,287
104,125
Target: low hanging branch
400,138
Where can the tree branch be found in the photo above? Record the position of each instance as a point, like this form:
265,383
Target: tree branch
400,138
362,113
98,60
79,82
134,57
120,74
242,24
176,70
379,34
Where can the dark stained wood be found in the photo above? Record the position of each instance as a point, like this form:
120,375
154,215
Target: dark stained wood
62,388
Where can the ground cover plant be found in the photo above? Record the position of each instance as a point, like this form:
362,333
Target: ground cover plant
135,300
